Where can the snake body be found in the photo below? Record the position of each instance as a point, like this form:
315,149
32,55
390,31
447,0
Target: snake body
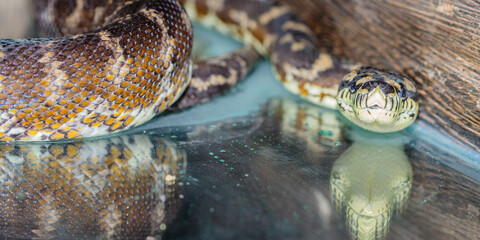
113,65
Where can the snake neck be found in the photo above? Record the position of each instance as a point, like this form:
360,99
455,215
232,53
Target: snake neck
277,32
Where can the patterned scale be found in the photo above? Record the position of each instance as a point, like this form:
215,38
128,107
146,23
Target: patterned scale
112,78
121,188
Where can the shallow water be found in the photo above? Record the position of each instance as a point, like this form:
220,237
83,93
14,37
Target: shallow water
257,163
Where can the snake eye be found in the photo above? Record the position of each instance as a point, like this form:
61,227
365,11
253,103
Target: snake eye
403,93
353,86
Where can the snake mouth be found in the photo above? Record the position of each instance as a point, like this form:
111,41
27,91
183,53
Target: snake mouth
376,115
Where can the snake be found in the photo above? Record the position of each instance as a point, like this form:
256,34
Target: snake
102,67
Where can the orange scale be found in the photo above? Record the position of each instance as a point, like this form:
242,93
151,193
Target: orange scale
109,121
85,104
82,83
13,111
44,83
148,75
112,97
28,110
133,70
106,94
38,126
96,124
116,113
96,80
80,74
84,94
133,104
101,117
48,121
145,104
56,136
136,80
90,87
78,109
63,101
146,59
124,84
129,120
63,120
116,125
120,100
112,88
20,106
166,65
143,83
131,96
118,91
98,91
26,122
88,77
69,95
56,117
70,106
64,111
49,113
71,115
31,133
87,120
77,99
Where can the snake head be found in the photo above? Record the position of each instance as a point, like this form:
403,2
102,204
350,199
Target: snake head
378,100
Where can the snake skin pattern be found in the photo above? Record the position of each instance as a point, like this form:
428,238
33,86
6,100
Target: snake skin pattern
277,32
134,65
113,65
115,188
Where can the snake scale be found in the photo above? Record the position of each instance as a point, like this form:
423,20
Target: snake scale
108,66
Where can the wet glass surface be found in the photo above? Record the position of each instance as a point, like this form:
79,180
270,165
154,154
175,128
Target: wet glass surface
257,163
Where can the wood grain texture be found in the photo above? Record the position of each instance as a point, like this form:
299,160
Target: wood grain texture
445,203
435,42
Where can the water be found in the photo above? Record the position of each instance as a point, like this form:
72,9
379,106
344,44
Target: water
256,163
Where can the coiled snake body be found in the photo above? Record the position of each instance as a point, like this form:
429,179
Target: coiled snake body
116,64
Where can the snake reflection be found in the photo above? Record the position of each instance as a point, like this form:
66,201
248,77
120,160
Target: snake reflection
121,187
371,180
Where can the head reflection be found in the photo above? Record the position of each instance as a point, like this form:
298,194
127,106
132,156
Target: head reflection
371,176
121,187
370,183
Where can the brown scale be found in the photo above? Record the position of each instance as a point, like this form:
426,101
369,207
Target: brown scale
51,88
70,191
